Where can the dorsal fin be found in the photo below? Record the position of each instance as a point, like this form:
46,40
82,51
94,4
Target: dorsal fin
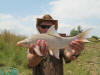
52,31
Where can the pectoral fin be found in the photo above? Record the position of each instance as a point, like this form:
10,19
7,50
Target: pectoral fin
56,53
36,49
50,52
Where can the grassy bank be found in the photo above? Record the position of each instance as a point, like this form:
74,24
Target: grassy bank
11,55
88,62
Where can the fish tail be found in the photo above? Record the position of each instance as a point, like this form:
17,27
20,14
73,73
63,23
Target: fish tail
83,35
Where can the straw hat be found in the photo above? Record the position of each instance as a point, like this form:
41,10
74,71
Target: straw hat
48,18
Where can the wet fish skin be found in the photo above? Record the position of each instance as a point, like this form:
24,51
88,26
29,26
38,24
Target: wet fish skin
55,41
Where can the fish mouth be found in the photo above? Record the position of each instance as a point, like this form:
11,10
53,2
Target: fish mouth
19,44
23,44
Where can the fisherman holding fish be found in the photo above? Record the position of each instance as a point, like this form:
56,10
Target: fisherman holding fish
43,56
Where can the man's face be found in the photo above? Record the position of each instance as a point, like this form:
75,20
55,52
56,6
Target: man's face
44,26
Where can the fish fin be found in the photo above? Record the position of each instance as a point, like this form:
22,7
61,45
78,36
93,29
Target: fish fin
36,49
85,40
56,53
83,35
50,52
51,31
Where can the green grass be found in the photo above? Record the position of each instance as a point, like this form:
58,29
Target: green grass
11,55
88,63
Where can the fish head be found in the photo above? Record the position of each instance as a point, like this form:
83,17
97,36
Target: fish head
23,43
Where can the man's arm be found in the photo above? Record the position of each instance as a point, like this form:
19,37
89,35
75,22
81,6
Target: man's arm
33,58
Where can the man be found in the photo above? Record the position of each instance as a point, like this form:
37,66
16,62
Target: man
49,65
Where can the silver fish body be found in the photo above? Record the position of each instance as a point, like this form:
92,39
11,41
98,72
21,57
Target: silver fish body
55,41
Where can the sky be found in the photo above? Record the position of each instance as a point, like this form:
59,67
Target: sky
19,16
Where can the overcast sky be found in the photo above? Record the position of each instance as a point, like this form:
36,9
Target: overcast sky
19,16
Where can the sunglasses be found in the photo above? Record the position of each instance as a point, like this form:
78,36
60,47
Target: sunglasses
45,26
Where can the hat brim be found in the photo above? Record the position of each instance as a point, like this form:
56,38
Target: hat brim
55,22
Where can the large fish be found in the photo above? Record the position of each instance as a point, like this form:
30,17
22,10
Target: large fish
55,41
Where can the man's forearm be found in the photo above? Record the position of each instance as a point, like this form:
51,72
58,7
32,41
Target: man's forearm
33,60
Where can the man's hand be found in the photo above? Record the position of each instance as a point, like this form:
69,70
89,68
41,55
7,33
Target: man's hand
77,46
43,47
33,57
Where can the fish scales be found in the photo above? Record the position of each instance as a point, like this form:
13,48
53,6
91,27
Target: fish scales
55,41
